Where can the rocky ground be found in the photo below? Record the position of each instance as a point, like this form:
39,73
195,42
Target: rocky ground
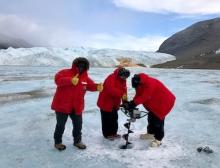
196,62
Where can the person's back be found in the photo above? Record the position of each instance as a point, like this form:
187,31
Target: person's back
113,90
157,97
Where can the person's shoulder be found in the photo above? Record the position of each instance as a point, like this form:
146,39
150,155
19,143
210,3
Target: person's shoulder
146,79
111,76
143,76
64,70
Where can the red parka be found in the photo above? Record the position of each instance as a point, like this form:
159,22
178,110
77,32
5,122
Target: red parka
68,97
114,89
154,96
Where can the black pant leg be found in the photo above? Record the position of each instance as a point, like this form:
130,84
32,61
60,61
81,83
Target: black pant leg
60,126
158,126
150,126
159,130
107,121
77,127
115,122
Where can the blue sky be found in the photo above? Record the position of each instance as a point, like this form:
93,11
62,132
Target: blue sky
121,24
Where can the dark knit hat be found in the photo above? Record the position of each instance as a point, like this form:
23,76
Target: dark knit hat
135,81
123,73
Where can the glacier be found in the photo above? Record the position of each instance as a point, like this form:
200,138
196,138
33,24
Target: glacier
41,56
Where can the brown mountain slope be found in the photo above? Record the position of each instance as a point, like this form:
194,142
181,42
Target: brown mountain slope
195,46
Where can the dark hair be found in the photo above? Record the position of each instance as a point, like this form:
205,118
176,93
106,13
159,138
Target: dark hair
81,62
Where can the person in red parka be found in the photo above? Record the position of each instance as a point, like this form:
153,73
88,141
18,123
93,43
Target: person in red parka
68,100
109,100
157,99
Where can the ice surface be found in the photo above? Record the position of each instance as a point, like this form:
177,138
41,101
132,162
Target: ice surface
27,123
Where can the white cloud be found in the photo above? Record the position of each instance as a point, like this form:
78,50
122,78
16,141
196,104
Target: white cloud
66,38
38,35
22,28
175,6
123,41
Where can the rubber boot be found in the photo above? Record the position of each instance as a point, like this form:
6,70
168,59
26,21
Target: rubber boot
80,145
147,136
60,146
155,143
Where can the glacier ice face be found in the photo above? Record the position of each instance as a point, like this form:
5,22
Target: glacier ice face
41,56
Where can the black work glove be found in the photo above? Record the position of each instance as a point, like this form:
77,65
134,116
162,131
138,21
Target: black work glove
125,104
129,105
132,105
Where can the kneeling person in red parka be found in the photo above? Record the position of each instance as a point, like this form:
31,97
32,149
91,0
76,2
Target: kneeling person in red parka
109,100
157,99
68,100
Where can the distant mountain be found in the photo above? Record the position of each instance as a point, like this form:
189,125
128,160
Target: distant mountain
195,46
7,41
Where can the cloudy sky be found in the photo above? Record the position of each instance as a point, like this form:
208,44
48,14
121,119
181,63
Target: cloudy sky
120,24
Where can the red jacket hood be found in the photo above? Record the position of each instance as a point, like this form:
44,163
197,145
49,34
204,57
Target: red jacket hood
116,71
76,71
116,74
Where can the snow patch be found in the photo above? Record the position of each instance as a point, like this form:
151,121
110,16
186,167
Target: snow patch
141,155
217,51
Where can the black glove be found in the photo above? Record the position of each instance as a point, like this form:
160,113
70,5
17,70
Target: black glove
132,105
125,104
129,105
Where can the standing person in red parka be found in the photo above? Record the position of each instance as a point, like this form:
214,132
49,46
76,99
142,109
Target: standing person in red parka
68,100
109,100
157,99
